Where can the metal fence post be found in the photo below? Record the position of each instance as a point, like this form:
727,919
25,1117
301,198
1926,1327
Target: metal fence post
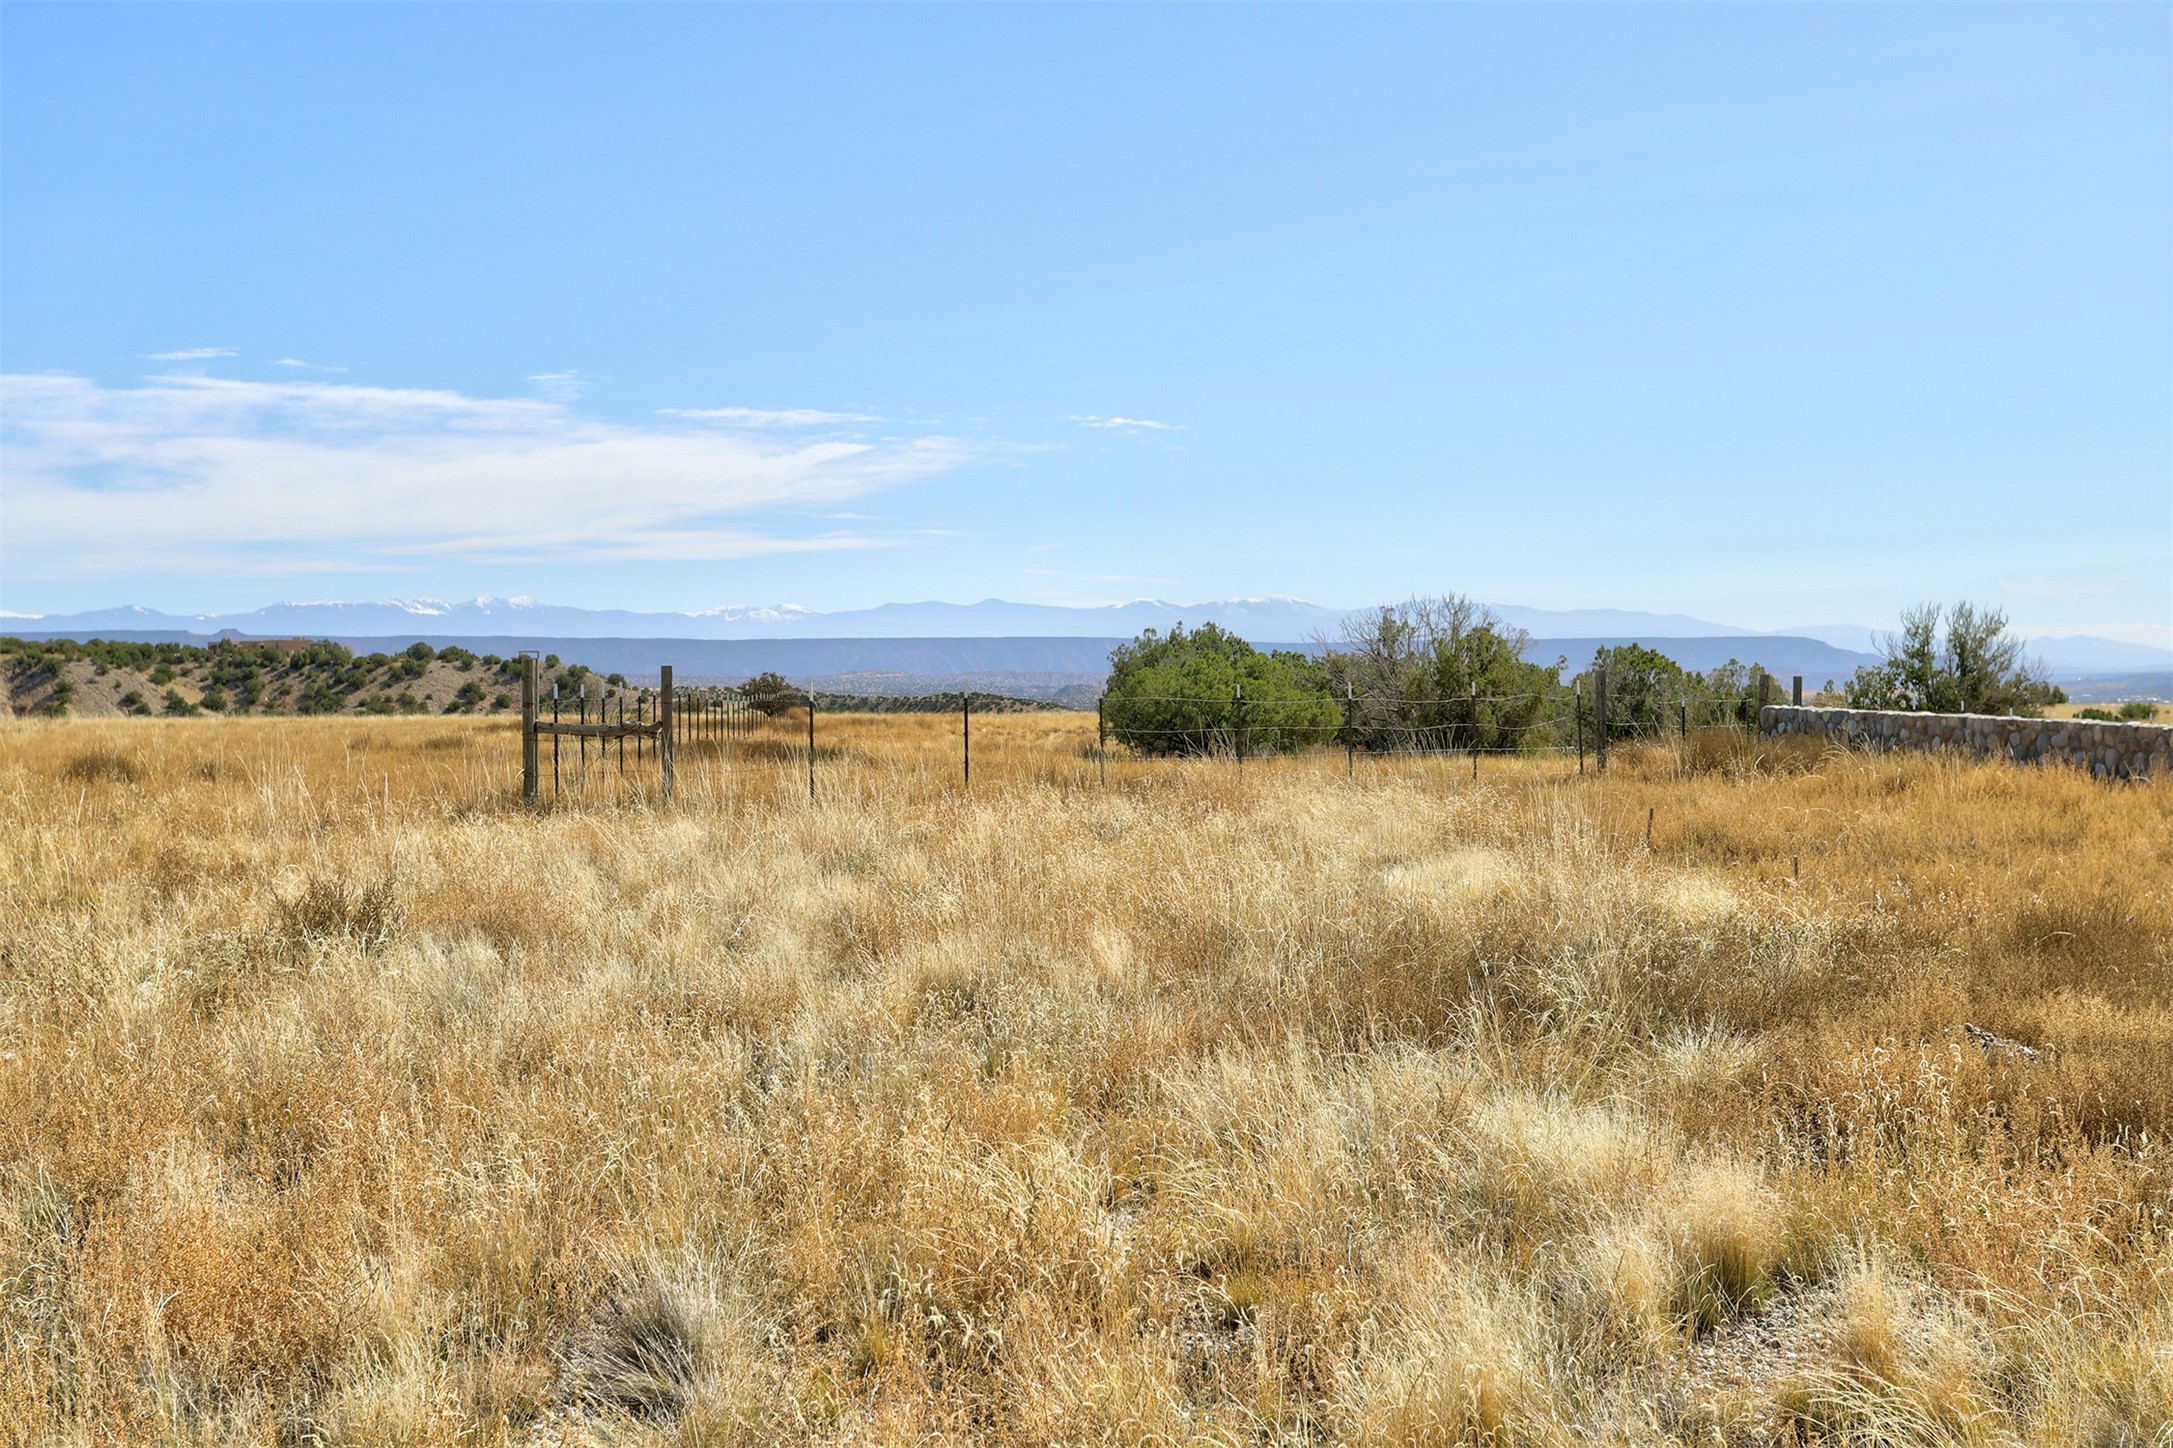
965,735
1101,737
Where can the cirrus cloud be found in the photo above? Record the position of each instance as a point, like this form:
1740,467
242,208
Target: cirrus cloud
1129,424
766,417
211,474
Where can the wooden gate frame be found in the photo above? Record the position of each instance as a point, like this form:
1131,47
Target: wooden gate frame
533,728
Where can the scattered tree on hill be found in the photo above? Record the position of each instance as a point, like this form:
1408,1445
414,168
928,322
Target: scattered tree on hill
771,693
318,697
1971,665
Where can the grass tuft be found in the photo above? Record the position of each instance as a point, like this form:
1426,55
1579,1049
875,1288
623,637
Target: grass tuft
328,908
659,1339
103,765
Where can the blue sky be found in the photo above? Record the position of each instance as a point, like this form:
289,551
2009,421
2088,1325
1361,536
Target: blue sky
1771,314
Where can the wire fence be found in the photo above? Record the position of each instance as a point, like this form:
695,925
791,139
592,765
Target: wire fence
1529,722
664,722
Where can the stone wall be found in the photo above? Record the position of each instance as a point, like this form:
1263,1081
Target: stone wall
2109,751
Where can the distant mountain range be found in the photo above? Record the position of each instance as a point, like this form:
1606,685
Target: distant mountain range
1262,620
1253,618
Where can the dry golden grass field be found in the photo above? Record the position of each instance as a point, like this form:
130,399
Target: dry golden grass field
343,1101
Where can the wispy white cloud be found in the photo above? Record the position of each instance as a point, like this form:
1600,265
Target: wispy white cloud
196,473
191,354
1129,424
558,386
297,362
767,417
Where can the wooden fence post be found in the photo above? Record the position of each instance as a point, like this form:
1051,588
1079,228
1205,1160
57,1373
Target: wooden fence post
1241,730
1765,696
1576,715
1796,693
529,763
1599,716
1473,723
664,732
1101,738
965,735
1350,732
810,746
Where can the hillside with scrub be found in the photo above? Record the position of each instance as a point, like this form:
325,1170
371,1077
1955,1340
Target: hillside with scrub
1750,1092
102,678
